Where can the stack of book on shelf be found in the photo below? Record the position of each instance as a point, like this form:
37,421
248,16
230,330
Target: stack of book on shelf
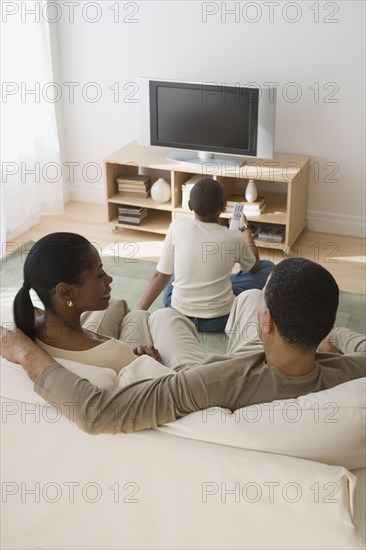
271,234
249,208
132,215
134,186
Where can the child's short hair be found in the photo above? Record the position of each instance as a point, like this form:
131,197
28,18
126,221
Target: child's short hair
206,197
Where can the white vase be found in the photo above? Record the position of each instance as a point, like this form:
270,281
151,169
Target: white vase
251,192
160,191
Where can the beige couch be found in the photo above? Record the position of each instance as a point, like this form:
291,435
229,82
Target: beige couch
289,474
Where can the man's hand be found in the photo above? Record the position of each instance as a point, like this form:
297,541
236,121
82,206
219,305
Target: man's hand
15,346
148,350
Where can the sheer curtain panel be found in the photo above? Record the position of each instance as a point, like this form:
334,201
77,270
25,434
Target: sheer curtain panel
31,172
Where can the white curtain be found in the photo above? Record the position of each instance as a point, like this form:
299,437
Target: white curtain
31,172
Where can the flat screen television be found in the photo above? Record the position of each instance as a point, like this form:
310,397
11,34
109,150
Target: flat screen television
207,121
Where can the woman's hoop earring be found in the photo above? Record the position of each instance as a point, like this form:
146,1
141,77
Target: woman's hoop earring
70,303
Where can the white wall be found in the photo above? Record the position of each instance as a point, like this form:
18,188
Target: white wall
318,59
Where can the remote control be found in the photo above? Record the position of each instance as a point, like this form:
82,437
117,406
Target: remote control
235,220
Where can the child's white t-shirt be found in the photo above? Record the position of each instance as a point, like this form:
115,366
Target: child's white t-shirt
202,255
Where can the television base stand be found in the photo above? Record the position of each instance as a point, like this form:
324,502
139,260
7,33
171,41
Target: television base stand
188,157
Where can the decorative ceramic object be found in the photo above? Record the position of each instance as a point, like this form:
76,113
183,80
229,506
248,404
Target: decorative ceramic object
160,191
251,192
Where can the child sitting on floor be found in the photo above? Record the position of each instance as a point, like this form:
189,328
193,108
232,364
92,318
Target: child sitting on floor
197,260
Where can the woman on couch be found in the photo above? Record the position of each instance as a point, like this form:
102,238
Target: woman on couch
66,272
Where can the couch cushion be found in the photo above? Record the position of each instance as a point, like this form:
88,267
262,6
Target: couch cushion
327,426
63,488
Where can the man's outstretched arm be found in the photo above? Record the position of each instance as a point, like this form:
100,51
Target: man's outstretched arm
135,407
144,404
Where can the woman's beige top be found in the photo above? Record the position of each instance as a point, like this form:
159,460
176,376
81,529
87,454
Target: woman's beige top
112,354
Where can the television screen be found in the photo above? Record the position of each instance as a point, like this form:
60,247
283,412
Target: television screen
206,120
204,117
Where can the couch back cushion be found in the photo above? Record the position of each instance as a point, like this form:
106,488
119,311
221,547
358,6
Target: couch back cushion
327,426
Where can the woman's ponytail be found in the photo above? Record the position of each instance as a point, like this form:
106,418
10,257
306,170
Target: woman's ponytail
24,312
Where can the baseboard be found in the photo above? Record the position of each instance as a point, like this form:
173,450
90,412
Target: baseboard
337,224
86,193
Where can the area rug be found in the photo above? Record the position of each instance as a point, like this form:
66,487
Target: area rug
131,276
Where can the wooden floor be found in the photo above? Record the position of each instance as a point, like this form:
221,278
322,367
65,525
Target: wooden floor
343,256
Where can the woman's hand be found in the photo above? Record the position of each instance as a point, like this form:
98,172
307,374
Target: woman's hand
327,347
148,350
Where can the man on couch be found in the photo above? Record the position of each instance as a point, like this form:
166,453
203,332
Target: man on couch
272,354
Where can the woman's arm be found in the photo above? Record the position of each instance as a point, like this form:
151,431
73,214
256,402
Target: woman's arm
344,341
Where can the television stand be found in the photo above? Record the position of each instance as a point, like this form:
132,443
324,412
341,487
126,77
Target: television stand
282,181
204,159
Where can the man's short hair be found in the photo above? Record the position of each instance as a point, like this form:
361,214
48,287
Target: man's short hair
303,299
206,197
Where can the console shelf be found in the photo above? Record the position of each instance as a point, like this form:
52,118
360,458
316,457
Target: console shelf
283,181
135,201
155,223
